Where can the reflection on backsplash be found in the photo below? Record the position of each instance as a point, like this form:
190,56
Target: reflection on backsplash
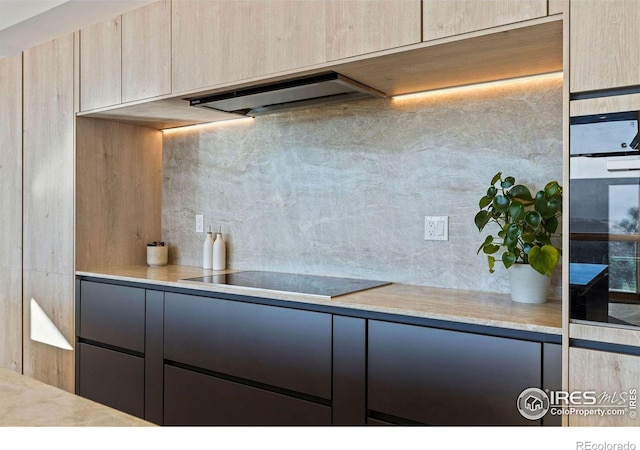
342,190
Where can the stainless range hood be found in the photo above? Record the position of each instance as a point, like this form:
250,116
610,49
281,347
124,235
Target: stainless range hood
287,95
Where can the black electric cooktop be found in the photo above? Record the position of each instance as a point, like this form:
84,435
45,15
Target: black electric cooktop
289,282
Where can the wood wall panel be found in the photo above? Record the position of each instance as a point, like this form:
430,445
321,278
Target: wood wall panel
48,225
443,18
591,370
100,64
146,51
355,28
11,216
118,199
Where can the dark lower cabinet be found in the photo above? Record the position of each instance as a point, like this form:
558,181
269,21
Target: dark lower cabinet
182,359
112,378
192,398
443,377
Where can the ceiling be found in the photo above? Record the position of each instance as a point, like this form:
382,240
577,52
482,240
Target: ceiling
25,23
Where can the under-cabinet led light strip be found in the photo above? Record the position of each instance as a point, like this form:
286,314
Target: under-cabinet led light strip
202,126
486,84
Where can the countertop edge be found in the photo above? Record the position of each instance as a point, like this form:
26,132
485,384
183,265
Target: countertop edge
338,302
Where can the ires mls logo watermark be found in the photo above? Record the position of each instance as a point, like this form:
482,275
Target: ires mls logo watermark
534,403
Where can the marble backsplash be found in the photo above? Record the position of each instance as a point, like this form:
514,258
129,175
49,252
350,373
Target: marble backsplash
342,190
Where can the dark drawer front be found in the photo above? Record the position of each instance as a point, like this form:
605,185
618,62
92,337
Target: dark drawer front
281,347
112,315
191,398
441,377
112,378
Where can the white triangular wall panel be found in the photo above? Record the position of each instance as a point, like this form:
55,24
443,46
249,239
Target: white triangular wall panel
44,330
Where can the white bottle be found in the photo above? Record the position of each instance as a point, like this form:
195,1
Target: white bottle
219,252
207,251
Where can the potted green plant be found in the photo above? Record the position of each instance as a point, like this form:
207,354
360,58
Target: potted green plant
524,226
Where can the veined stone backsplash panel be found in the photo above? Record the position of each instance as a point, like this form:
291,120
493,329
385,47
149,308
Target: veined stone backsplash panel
342,190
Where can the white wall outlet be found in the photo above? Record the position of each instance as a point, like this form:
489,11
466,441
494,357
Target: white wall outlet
436,228
199,223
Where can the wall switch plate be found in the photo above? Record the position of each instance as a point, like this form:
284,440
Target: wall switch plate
436,228
199,223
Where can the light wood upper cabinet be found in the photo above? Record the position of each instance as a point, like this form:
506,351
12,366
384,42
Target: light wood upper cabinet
604,372
359,27
100,64
11,217
146,52
443,18
223,40
126,58
48,196
604,44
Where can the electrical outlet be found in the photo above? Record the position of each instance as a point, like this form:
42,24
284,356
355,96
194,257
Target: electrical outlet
436,228
199,223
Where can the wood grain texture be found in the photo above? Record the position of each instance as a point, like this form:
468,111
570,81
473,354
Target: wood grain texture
11,218
355,28
506,52
100,64
592,370
221,40
480,308
605,334
48,229
558,7
605,44
605,105
161,114
443,18
146,51
118,192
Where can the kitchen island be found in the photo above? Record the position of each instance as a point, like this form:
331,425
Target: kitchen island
28,402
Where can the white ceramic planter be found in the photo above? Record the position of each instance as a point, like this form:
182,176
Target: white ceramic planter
527,285
157,255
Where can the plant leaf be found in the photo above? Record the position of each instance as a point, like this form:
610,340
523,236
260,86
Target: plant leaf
544,259
491,192
487,240
507,183
547,208
551,224
514,231
553,189
490,249
492,262
521,192
484,202
496,177
528,237
508,259
543,238
533,219
482,218
501,203
516,211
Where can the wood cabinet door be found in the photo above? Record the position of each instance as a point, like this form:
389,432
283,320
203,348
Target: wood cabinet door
605,373
443,18
48,225
359,27
224,40
604,44
100,64
11,218
146,52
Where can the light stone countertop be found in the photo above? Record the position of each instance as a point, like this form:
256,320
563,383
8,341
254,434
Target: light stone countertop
31,403
477,308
